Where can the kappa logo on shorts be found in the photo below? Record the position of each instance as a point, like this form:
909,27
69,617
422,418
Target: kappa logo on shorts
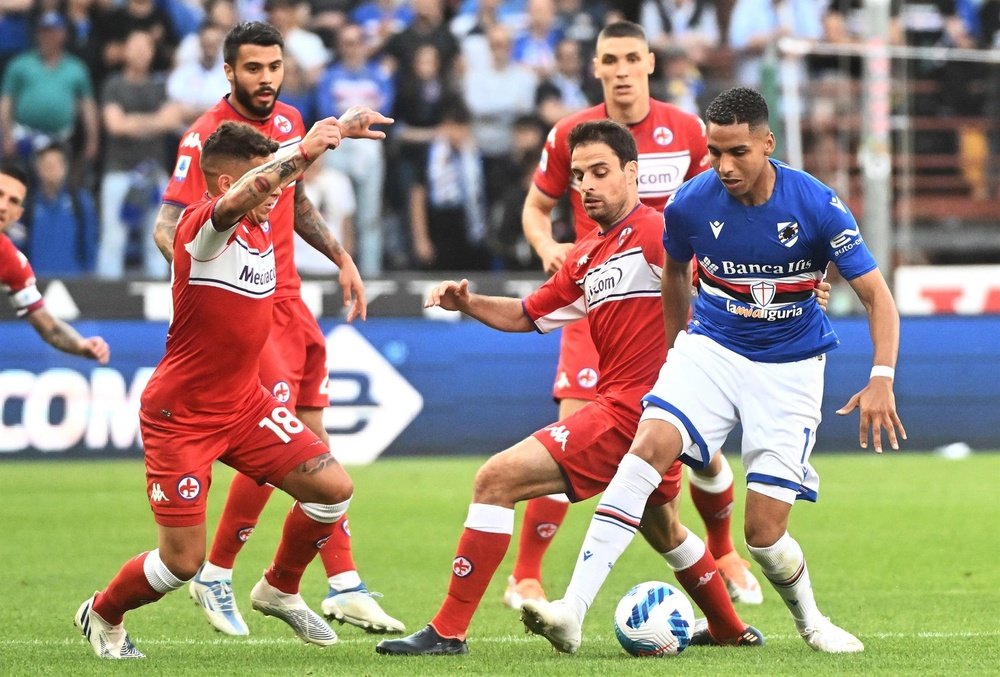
546,530
243,535
461,567
282,391
156,494
587,377
560,434
283,124
189,488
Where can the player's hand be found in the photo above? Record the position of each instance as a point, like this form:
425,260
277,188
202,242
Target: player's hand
822,293
449,295
878,410
553,256
353,289
324,135
95,348
423,248
356,123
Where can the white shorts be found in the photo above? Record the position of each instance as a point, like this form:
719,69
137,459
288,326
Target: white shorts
704,390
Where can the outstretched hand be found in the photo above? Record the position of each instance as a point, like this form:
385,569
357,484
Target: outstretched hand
356,123
449,295
878,411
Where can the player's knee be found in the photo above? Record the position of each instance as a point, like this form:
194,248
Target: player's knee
183,563
492,484
327,513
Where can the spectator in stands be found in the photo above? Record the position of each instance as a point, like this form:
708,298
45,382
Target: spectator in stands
475,17
535,45
427,27
756,26
581,20
418,111
690,26
989,38
332,194
197,85
302,45
355,80
115,24
45,92
137,116
380,20
563,91
448,208
219,13
681,82
497,95
61,220
15,31
81,33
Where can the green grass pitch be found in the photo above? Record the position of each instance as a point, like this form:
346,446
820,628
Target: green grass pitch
903,551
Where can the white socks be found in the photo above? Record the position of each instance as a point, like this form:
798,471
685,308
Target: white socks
158,575
612,528
493,519
685,555
784,565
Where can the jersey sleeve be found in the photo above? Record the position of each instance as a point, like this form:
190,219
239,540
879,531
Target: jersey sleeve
552,176
675,240
197,231
556,303
18,279
845,246
187,184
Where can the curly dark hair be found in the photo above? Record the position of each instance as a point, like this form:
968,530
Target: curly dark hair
249,33
737,106
237,141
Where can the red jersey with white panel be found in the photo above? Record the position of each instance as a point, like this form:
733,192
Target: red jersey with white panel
18,279
187,183
613,279
672,149
223,294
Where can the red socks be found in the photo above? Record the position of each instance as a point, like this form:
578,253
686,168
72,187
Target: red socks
245,502
542,518
336,554
301,537
706,588
478,555
128,590
716,512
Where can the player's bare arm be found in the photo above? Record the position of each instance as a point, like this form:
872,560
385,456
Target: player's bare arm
876,401
62,336
536,221
675,295
164,229
499,312
356,123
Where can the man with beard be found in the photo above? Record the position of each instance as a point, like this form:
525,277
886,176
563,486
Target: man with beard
293,361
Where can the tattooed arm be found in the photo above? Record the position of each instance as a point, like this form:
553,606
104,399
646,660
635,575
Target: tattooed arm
312,228
63,337
164,229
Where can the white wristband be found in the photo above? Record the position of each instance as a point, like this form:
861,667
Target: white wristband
882,370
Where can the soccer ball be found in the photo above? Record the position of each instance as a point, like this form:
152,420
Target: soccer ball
654,619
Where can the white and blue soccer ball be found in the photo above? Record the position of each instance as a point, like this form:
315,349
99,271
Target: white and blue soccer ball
654,619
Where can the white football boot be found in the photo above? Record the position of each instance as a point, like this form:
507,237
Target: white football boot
359,607
107,641
826,637
216,600
292,609
554,621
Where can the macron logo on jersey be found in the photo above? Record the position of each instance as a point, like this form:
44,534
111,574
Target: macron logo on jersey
716,227
838,204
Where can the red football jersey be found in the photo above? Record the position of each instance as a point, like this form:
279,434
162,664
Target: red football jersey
672,148
223,293
187,184
18,279
613,279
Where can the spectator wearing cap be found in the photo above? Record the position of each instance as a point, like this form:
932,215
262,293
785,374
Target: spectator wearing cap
44,92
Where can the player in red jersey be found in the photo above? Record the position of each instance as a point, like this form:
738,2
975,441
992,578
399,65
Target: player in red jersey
612,276
672,149
205,401
293,364
18,279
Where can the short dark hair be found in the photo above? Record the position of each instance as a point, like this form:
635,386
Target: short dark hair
236,141
623,29
454,109
610,133
15,171
249,33
737,106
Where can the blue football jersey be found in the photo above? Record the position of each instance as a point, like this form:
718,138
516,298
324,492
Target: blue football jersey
758,266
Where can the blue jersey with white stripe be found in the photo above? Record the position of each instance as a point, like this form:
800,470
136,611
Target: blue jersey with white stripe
758,266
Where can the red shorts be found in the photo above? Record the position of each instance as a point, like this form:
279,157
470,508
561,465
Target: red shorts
263,440
293,361
577,373
588,446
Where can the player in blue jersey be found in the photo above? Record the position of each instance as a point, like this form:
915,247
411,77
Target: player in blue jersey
762,234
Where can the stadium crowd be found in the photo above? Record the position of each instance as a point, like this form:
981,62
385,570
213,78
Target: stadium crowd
95,94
